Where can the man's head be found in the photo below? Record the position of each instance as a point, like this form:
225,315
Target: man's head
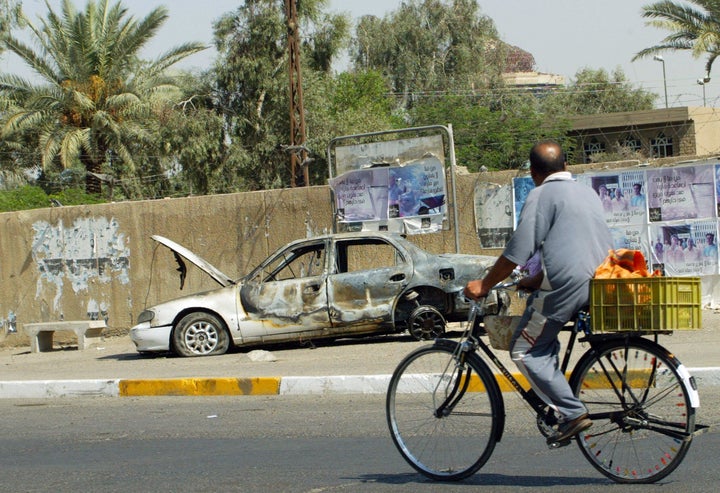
637,188
710,238
546,158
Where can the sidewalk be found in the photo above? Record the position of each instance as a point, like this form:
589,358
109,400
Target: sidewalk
345,366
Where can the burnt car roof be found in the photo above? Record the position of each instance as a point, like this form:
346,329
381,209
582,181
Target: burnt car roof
223,279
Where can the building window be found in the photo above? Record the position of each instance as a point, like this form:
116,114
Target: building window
661,146
592,147
630,143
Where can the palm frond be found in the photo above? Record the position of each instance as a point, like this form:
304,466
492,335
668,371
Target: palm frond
693,26
34,61
49,149
73,143
20,121
81,101
14,86
171,57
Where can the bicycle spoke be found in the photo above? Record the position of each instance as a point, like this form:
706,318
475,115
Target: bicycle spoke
643,422
443,424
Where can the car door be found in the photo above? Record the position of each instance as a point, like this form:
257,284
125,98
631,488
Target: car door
367,275
288,292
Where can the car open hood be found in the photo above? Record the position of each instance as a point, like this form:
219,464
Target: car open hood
182,252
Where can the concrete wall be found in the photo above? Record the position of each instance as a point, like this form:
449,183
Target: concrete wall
87,262
76,263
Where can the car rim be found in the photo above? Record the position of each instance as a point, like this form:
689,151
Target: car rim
426,323
201,338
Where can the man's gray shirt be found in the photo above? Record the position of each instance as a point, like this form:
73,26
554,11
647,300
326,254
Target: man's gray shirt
565,221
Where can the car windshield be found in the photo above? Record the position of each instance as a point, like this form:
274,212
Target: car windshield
293,263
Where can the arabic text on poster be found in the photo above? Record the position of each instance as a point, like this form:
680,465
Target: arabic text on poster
684,192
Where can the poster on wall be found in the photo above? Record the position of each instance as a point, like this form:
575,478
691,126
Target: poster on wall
374,199
717,188
521,187
685,248
632,237
622,195
357,197
396,185
493,214
669,214
683,192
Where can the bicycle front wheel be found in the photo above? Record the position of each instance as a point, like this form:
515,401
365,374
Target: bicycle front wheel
642,404
444,415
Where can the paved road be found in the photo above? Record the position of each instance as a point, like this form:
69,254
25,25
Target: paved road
331,443
346,366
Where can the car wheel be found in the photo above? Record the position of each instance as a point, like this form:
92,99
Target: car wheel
200,334
426,322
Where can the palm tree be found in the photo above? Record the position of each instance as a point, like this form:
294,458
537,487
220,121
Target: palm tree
96,97
694,29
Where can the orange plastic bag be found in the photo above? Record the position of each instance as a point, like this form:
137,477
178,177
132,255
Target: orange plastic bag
623,263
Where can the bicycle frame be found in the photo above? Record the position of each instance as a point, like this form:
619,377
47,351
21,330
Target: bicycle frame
625,394
642,402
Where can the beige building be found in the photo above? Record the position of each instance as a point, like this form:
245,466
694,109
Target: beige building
660,133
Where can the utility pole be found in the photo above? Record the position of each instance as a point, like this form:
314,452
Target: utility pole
298,161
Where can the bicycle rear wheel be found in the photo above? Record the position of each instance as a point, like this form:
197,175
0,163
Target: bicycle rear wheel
642,403
444,417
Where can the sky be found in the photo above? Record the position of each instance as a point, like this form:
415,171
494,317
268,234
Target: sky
564,36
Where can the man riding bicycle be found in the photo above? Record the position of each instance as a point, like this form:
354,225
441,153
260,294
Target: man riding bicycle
564,222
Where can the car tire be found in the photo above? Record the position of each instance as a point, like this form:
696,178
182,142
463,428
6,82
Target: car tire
200,334
426,323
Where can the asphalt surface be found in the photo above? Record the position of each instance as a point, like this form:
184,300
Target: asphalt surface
114,368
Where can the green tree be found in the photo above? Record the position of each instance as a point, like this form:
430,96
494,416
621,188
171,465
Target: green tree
430,46
350,103
253,83
494,131
694,25
10,16
192,141
96,99
596,91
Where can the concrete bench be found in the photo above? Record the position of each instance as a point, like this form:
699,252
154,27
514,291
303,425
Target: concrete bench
88,333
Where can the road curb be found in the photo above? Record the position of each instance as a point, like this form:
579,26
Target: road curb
228,386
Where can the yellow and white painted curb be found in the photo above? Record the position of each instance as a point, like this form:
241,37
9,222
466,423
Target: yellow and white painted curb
228,386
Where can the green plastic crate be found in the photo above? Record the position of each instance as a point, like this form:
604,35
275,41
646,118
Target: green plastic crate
645,304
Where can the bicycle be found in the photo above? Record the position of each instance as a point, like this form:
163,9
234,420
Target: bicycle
446,412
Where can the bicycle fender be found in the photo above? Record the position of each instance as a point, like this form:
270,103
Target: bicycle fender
690,385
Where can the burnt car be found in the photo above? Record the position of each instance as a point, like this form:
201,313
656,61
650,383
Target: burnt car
330,286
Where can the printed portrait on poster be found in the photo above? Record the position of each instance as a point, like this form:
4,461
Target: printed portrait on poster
683,192
417,189
685,248
622,195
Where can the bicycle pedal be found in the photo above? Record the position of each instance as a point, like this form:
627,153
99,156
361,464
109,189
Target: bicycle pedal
563,443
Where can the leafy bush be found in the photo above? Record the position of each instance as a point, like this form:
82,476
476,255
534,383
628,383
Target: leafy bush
33,197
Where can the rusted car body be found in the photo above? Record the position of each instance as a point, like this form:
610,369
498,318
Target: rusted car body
329,286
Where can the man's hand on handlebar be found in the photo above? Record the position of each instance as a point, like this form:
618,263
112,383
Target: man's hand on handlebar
476,290
479,288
